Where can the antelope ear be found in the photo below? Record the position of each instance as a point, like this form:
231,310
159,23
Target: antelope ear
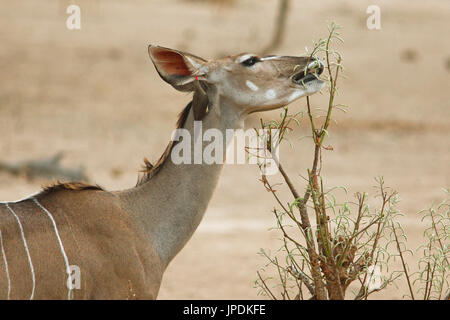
200,101
177,68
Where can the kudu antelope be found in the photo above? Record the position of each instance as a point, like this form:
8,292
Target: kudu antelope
122,241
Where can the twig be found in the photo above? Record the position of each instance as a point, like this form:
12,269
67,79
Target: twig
300,275
405,270
266,288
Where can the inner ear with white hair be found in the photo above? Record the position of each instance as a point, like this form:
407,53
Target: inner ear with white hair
184,72
177,68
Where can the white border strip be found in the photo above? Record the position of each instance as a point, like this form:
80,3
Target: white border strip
26,248
66,260
6,266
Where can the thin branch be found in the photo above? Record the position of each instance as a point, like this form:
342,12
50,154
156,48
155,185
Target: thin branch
300,275
266,288
405,270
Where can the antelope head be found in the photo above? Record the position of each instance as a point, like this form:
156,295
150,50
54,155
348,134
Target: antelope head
249,82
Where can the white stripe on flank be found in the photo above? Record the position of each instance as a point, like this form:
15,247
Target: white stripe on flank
26,248
66,260
6,266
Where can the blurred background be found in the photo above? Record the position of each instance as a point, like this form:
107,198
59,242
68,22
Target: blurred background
93,94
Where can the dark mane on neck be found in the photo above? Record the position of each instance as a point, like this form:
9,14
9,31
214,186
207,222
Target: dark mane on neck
149,170
71,186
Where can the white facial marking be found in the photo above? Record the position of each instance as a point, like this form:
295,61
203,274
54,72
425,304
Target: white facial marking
245,57
251,85
270,58
271,94
297,94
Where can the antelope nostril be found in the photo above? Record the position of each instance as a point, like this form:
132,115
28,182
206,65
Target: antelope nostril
315,66
299,76
310,72
320,69
315,63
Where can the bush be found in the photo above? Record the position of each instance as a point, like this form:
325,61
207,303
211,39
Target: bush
326,245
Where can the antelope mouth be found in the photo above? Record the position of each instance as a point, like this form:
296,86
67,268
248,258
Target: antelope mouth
312,72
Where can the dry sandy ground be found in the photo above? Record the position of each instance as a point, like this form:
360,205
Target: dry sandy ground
94,94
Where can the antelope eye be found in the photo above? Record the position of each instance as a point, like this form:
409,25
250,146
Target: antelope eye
250,61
